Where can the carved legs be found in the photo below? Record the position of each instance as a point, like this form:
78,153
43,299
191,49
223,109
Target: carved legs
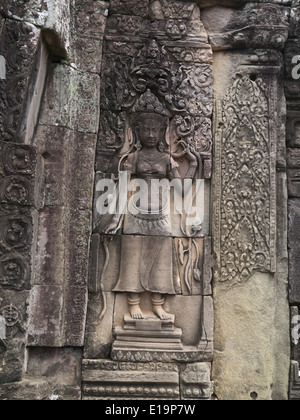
157,299
134,300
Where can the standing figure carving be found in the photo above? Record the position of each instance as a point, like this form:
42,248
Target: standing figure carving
149,270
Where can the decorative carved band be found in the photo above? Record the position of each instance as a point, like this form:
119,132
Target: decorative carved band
245,151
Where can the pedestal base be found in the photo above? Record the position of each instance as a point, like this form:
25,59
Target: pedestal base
149,334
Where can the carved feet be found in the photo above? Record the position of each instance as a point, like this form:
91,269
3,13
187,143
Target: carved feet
161,313
134,300
136,312
157,306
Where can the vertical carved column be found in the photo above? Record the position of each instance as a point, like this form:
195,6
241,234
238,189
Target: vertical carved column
20,50
249,197
292,90
17,209
245,177
250,201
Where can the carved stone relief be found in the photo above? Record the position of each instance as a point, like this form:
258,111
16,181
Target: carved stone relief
17,201
150,323
250,214
13,309
147,381
252,27
18,45
245,149
151,269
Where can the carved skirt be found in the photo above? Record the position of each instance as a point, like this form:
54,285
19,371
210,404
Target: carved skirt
146,265
147,223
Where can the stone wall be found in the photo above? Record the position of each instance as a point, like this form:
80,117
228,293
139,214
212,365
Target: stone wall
51,103
292,90
54,116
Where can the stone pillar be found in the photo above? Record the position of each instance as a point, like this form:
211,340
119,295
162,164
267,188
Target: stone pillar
251,358
42,43
20,172
66,138
292,89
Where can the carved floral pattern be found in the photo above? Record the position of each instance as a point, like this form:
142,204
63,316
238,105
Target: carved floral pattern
18,47
17,172
246,181
183,89
14,271
19,159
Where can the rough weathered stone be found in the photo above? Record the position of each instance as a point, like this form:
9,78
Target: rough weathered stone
292,83
294,250
89,21
148,57
293,163
67,143
252,27
53,16
99,330
71,100
63,365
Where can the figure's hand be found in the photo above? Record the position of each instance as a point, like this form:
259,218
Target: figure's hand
190,154
112,228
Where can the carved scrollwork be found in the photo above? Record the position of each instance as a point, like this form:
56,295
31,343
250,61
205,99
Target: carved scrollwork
16,190
13,320
246,181
15,232
151,61
18,47
11,314
112,130
14,271
19,159
195,139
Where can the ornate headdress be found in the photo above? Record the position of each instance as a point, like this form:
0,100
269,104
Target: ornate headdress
148,103
148,107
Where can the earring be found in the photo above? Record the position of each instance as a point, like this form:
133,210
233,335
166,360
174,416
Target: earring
138,146
161,147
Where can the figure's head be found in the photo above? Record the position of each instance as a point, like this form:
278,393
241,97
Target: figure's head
151,129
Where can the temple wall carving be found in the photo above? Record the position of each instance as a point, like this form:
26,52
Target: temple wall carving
149,199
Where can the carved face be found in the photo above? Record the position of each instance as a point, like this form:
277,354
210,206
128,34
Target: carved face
151,130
